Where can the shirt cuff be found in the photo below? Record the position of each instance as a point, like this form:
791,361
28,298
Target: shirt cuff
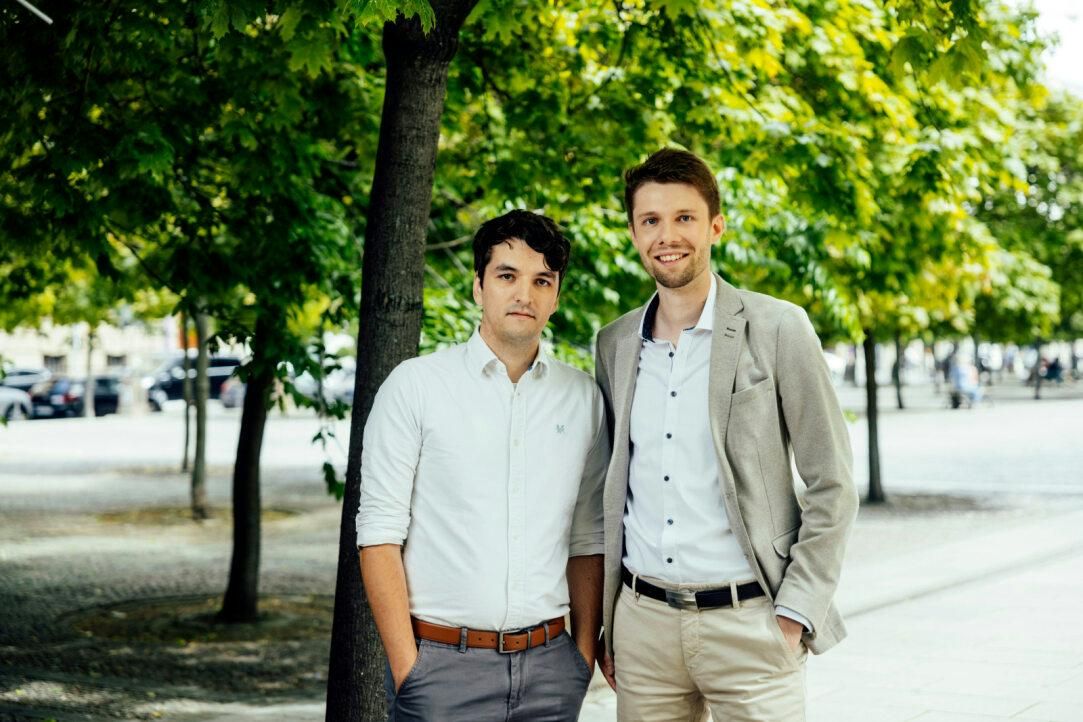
586,545
795,616
372,533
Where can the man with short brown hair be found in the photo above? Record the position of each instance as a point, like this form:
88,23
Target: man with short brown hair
718,576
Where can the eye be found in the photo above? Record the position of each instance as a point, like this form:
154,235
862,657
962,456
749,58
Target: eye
684,217
544,282
506,277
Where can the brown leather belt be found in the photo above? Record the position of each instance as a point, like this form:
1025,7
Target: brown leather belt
503,642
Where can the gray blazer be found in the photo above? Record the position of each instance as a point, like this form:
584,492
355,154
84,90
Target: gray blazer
770,395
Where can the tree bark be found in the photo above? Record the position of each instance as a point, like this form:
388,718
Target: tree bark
187,388
88,386
241,602
200,510
896,372
876,490
1037,369
391,312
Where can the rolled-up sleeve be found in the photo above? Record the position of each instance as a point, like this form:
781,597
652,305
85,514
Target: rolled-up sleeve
588,529
389,458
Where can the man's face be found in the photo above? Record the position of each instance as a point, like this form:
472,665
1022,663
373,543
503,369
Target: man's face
673,232
519,294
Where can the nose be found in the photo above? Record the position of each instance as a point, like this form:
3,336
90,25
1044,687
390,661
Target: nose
666,232
522,290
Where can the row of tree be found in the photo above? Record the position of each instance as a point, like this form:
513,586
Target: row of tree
896,167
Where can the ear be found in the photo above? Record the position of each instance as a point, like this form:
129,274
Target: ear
718,226
477,289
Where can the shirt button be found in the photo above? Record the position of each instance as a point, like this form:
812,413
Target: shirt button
669,560
665,478
671,354
672,393
669,436
669,521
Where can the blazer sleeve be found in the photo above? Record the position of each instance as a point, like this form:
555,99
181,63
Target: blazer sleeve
824,460
601,377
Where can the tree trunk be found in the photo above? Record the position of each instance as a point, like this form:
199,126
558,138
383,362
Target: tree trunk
241,602
391,313
896,372
1037,369
88,387
187,387
200,510
876,490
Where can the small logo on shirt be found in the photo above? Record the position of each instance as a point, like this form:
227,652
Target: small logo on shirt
560,428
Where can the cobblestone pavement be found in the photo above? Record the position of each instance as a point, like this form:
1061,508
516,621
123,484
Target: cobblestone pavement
1014,469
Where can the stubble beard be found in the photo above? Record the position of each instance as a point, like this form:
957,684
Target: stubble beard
512,336
679,278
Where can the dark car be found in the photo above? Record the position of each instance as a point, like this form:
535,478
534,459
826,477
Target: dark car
63,396
167,381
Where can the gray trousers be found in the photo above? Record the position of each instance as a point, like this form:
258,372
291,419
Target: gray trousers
451,684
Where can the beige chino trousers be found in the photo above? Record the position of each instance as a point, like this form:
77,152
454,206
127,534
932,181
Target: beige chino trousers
675,664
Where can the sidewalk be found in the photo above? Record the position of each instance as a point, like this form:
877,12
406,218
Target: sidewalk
957,605
980,627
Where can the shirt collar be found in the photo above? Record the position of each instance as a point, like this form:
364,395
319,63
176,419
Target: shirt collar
481,358
706,316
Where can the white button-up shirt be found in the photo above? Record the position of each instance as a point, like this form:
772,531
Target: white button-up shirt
675,524
491,485
676,528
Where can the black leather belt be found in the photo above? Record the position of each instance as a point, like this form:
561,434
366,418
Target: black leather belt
707,599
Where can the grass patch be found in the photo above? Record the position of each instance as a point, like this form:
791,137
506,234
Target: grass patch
180,515
181,621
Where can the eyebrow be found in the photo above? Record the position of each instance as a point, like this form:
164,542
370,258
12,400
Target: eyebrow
504,267
680,211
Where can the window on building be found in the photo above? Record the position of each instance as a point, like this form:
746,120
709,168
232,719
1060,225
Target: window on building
56,364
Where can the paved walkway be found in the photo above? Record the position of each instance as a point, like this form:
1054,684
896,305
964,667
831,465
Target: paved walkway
983,626
959,608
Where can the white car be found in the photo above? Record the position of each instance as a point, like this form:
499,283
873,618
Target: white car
14,404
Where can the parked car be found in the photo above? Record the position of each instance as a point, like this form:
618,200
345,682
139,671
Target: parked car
167,381
14,404
63,396
337,384
23,378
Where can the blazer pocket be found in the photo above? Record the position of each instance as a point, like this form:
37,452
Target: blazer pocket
752,393
784,541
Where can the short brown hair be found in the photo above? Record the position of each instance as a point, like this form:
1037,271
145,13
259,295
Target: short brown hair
672,165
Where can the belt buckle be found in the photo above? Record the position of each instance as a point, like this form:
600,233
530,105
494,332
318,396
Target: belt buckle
679,599
500,644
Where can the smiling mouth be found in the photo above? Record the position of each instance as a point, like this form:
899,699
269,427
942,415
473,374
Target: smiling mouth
667,259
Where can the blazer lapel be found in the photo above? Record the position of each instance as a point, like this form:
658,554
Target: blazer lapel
726,341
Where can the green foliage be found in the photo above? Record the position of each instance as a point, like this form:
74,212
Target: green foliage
213,146
1038,221
889,165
